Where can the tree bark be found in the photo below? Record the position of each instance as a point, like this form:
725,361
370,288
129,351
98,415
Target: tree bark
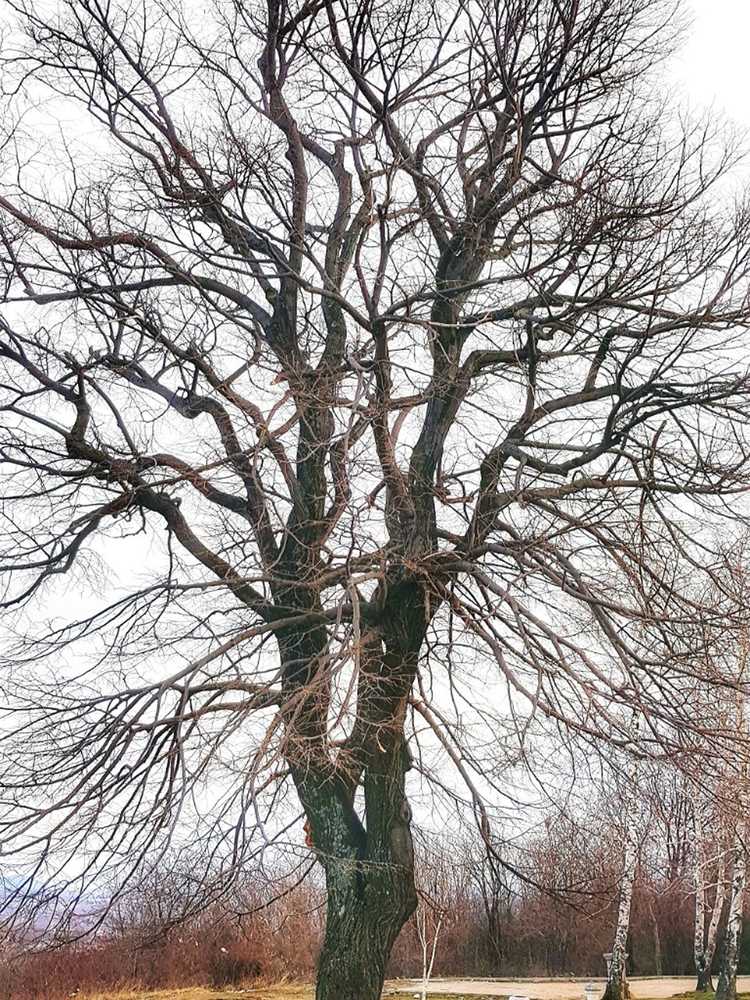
705,944
371,889
360,931
700,945
704,982
726,988
367,857
617,983
713,927
658,965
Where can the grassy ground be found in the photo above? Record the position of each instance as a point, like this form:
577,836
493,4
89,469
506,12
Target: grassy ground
283,992
266,993
692,995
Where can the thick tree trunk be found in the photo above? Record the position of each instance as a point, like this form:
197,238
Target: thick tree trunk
726,988
370,890
368,858
361,926
369,870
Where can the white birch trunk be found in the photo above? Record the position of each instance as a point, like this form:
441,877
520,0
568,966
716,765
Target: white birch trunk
705,942
617,986
713,927
699,927
428,952
726,988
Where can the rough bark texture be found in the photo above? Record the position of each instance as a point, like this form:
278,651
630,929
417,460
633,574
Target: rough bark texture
726,988
704,982
360,931
617,983
704,947
368,859
705,942
718,909
370,883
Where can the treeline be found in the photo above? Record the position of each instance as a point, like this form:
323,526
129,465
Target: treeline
148,944
545,909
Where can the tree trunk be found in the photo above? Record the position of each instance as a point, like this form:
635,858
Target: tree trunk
705,944
658,966
368,858
369,868
360,931
371,889
617,982
726,988
702,965
704,983
713,927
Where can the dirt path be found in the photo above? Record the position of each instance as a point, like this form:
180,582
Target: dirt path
556,989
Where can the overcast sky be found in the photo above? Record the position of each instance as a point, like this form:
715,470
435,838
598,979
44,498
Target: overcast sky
714,67
712,70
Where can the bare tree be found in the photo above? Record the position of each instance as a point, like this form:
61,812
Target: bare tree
436,894
726,987
401,344
665,856
737,786
706,937
492,884
617,980
429,925
653,915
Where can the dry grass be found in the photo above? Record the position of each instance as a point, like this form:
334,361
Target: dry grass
282,992
256,993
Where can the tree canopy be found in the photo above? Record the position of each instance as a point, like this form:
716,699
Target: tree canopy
404,345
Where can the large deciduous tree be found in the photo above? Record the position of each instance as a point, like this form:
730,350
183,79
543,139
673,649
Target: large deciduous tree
410,337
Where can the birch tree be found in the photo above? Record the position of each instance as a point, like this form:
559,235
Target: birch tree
726,986
397,351
429,923
617,979
737,807
705,938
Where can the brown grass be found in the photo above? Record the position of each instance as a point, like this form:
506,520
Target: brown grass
282,992
256,993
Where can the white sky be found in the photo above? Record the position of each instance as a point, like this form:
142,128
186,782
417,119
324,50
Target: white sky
713,69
